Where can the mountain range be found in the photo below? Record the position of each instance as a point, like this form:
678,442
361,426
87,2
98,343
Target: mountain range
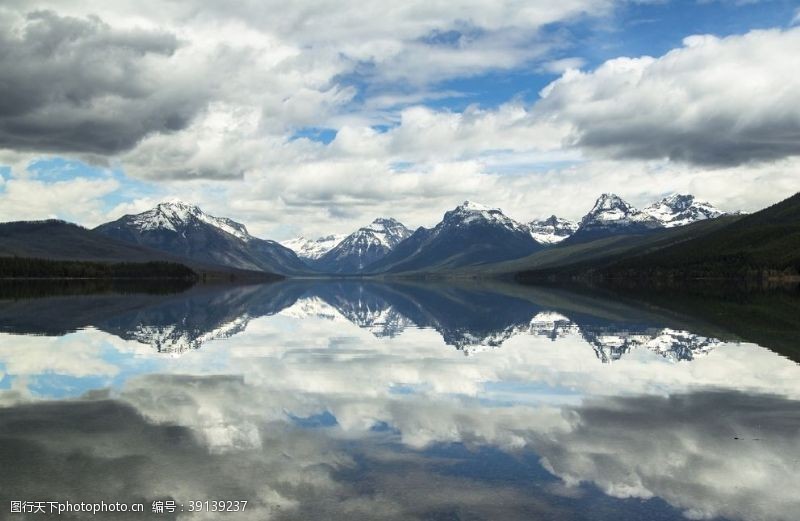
470,240
763,245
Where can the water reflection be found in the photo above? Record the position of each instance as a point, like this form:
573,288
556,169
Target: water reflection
470,318
355,400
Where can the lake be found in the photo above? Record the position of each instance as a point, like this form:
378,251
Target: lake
364,400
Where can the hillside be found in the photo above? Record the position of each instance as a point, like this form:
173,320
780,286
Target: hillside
571,256
62,241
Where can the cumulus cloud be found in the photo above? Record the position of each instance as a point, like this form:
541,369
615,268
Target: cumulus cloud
77,199
714,101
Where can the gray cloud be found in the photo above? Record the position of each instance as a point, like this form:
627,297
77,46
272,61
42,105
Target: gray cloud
79,85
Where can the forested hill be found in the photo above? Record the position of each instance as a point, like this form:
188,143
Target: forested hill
21,267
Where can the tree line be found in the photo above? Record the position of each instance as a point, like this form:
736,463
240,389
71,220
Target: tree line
33,268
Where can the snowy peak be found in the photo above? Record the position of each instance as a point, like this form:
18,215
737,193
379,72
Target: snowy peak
391,230
471,206
610,215
313,249
610,208
470,213
384,232
607,202
178,208
177,215
552,230
364,246
171,215
680,210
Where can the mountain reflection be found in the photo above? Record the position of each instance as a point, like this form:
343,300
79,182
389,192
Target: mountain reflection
470,318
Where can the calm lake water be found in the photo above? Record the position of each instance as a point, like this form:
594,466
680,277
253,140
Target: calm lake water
348,400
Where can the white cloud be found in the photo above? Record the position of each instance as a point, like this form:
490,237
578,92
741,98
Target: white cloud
78,355
564,64
714,101
77,199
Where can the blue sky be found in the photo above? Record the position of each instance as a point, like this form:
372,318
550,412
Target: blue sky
316,121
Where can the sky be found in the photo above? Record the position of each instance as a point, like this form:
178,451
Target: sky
315,117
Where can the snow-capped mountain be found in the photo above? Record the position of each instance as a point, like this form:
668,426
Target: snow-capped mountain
552,230
313,249
469,234
470,212
175,215
185,230
363,247
612,210
612,215
680,210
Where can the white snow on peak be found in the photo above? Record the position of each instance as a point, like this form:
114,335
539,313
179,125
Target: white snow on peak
551,230
477,207
471,212
382,225
383,232
313,249
680,210
672,211
611,208
175,214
